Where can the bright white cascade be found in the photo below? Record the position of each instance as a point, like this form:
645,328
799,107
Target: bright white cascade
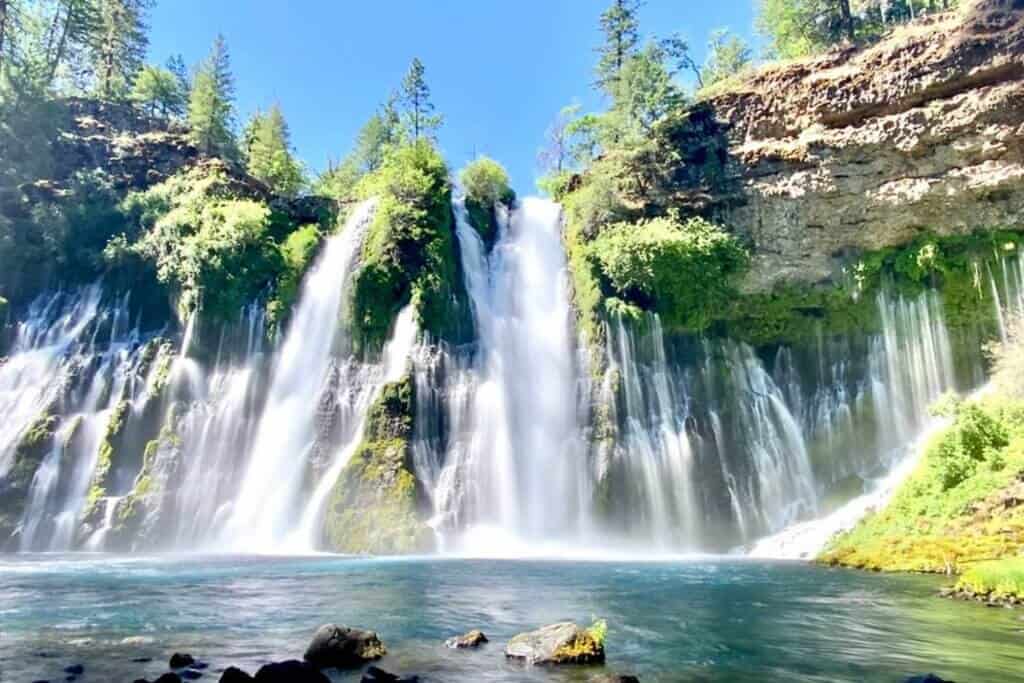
516,463
267,508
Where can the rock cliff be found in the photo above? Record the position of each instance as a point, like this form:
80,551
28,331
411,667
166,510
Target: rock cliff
864,148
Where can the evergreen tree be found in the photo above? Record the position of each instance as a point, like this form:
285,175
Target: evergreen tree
176,65
70,33
418,114
269,155
728,55
119,45
211,103
376,137
621,30
159,91
797,28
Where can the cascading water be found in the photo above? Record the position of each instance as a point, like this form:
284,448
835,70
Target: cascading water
515,460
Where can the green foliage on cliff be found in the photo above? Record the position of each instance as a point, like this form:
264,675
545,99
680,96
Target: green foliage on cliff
486,184
962,502
409,253
375,505
268,154
216,248
684,270
997,579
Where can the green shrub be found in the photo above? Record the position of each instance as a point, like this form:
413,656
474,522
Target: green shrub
486,182
684,270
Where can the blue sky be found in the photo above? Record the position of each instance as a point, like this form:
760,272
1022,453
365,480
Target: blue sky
499,71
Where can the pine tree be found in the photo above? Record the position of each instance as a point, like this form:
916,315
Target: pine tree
269,154
415,98
621,30
70,35
119,45
159,91
381,133
211,103
176,65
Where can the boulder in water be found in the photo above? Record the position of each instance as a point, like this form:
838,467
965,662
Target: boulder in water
927,678
233,674
180,660
375,675
613,678
169,678
290,671
474,638
342,647
562,643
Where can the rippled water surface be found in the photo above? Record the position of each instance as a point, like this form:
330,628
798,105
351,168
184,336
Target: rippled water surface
702,620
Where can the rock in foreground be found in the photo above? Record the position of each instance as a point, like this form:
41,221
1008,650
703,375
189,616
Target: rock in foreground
563,643
342,647
233,674
375,675
474,638
291,671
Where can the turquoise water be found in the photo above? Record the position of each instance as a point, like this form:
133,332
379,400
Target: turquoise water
703,620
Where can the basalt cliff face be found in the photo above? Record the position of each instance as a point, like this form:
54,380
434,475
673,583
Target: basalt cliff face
865,148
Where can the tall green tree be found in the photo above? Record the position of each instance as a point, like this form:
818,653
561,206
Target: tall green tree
728,55
796,28
269,154
643,93
70,34
418,110
176,65
211,109
382,132
159,92
119,45
621,30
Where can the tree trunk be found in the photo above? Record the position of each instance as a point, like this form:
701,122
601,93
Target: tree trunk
847,15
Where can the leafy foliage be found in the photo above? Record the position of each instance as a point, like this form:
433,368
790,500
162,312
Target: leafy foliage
728,56
159,91
486,182
683,270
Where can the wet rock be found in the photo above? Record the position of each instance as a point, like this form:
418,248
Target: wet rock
562,643
291,671
142,660
375,675
233,674
474,638
180,660
169,678
74,669
927,678
613,678
342,647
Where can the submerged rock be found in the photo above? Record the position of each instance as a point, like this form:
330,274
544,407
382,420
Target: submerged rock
180,660
927,678
613,678
74,669
562,643
290,671
375,675
474,638
342,647
233,674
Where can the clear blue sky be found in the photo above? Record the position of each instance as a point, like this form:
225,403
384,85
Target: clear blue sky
498,70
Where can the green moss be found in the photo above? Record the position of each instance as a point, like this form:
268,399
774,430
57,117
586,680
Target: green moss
484,221
106,456
297,252
375,506
997,580
35,443
954,508
409,253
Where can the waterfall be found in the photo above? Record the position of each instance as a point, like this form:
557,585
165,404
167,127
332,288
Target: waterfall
515,462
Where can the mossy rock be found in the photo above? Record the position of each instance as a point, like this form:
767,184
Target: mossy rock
35,443
376,506
484,220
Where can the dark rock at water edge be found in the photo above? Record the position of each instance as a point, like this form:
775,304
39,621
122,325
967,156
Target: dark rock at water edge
613,678
74,669
342,647
169,678
290,671
474,638
927,678
375,675
562,643
233,674
180,660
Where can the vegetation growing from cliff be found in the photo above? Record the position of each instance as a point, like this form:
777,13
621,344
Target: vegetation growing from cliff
409,253
215,247
486,185
375,505
961,505
995,580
